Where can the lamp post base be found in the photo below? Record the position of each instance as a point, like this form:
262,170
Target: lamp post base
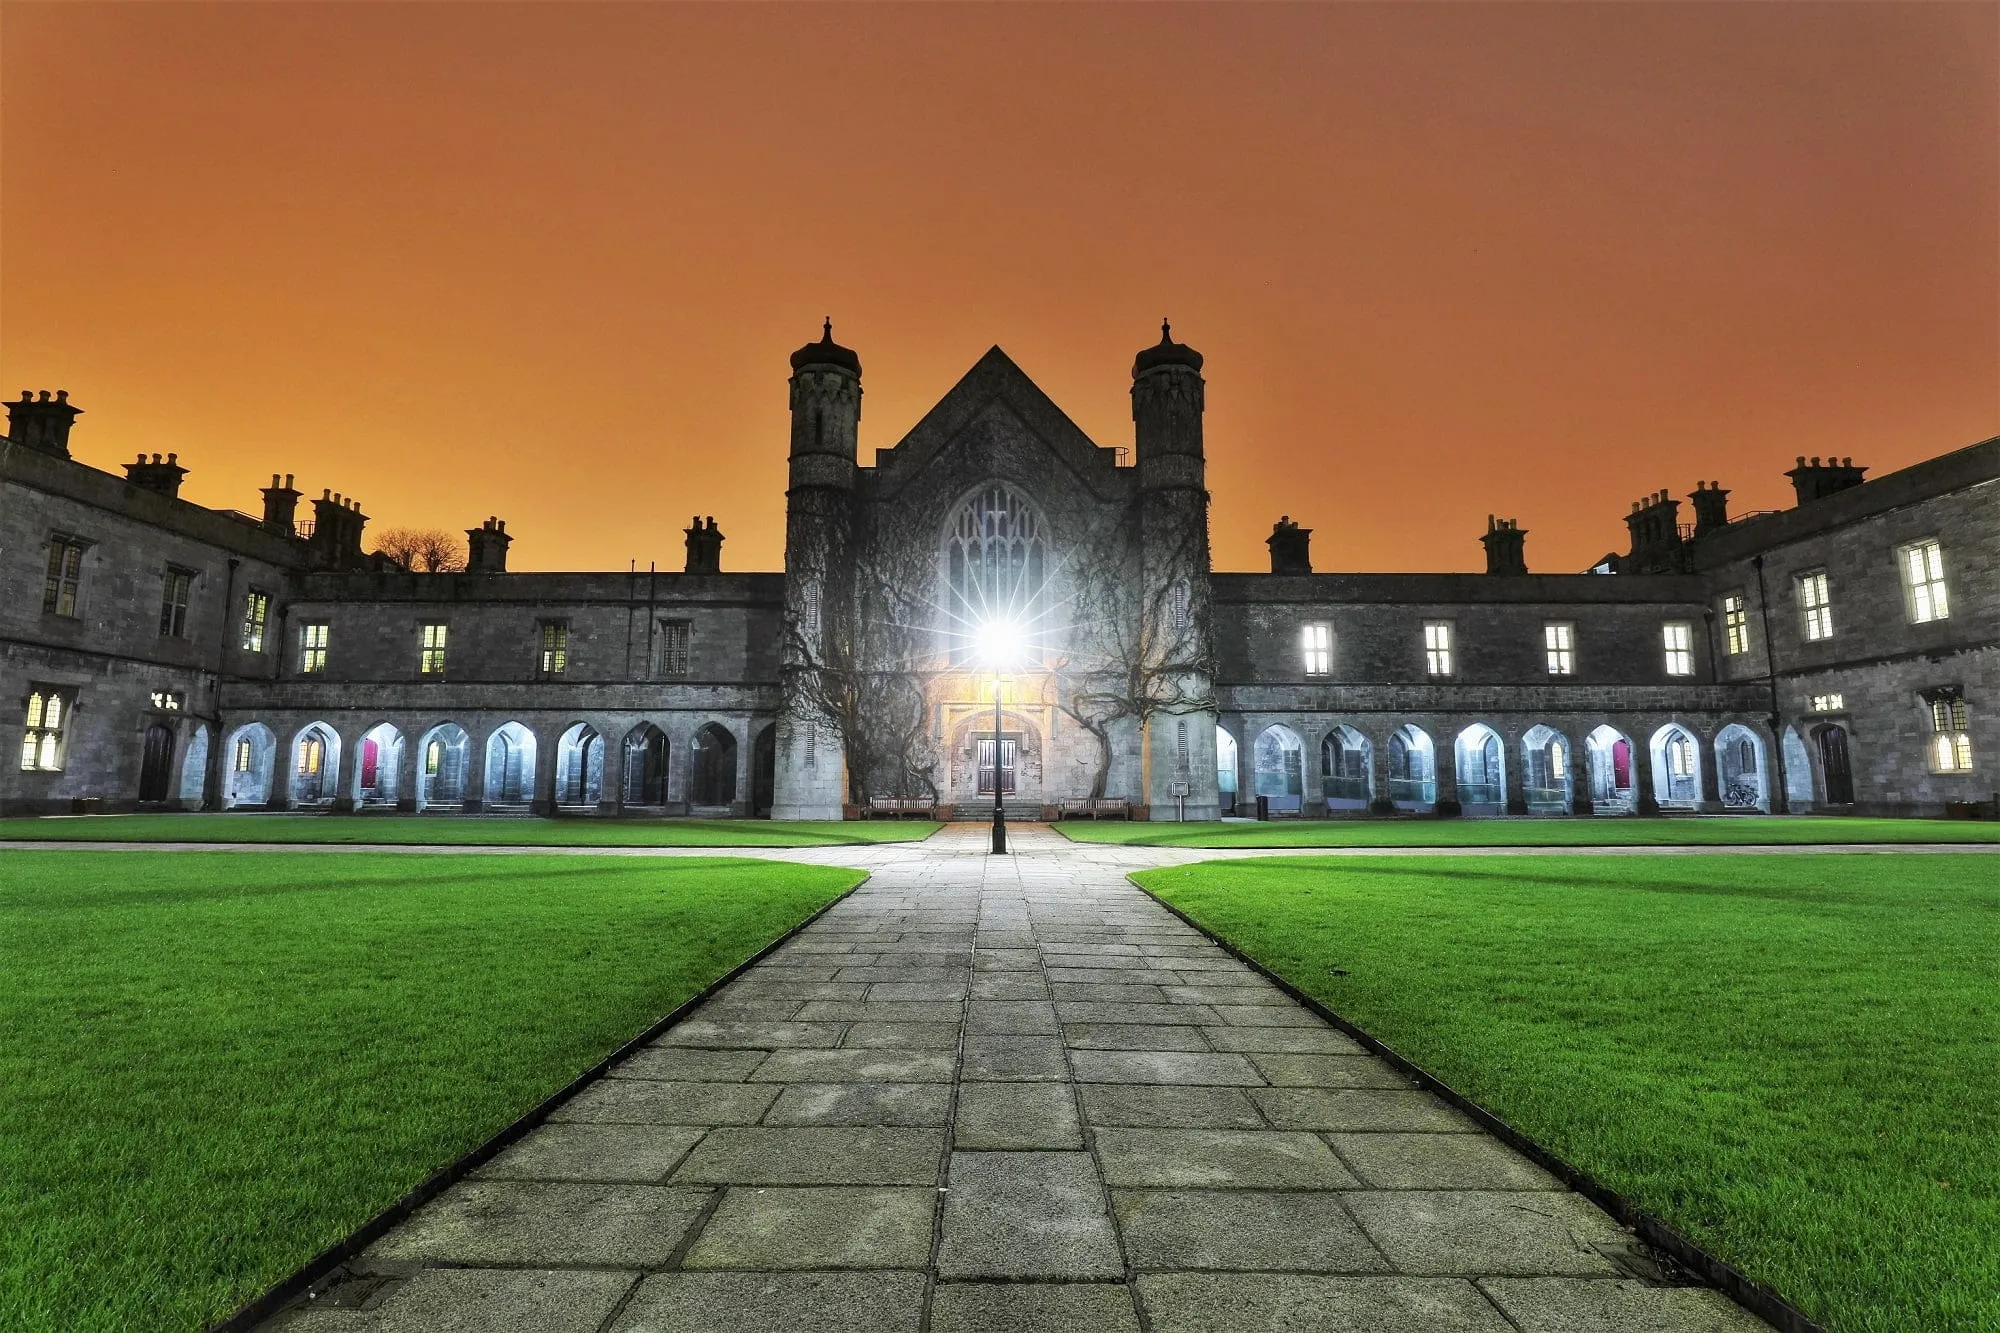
999,834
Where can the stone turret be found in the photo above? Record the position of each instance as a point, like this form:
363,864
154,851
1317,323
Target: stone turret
157,476
486,547
811,778
42,423
1168,400
1505,543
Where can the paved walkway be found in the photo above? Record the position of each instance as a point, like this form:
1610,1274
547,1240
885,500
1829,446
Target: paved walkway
988,1093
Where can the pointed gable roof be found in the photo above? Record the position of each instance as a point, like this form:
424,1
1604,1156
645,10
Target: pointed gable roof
995,381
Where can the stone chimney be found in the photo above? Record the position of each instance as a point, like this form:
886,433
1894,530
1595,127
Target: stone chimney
486,547
1291,547
1711,507
1504,542
704,546
1656,535
281,506
156,476
1816,480
336,536
40,423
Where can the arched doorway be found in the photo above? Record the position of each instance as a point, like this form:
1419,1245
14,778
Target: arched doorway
1225,769
1676,768
764,771
1610,753
646,765
1346,764
156,763
580,766
378,772
194,769
1740,770
1835,766
1412,768
315,765
1482,770
1281,778
251,756
1545,782
712,768
441,766
510,766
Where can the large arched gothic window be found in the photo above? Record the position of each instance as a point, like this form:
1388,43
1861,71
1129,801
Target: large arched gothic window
996,565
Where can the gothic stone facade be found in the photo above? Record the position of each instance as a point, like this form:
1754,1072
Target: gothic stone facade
1838,655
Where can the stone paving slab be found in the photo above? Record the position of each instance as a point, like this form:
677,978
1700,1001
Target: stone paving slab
1006,1093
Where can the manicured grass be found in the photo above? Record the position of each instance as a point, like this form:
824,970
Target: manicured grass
215,1064
1794,1059
1609,831
464,830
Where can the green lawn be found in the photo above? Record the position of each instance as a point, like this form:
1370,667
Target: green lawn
1623,831
1796,1060
457,830
216,1064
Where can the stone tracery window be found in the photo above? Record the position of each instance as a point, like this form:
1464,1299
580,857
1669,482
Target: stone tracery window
996,565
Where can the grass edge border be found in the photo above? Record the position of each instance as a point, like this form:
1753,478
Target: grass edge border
1752,1295
281,1294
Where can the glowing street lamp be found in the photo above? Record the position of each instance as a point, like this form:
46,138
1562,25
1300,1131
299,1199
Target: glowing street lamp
998,644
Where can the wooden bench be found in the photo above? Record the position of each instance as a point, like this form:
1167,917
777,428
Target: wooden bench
896,807
1100,807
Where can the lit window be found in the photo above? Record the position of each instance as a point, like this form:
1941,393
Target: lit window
1829,703
1680,756
42,743
1437,648
433,758
312,755
1951,745
312,647
174,590
168,701
1735,625
1560,643
256,615
65,579
1679,639
676,637
1318,642
1923,580
244,756
431,660
555,647
1816,606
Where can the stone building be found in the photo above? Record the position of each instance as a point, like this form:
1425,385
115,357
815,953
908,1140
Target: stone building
1841,654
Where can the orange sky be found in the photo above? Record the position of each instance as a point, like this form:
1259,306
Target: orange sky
547,261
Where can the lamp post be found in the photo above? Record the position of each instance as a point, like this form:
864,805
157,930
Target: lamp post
997,642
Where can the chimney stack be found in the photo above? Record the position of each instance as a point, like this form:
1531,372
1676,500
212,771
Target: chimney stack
1815,481
336,535
1291,547
281,506
156,476
1656,535
704,546
1505,540
40,423
486,547
1711,507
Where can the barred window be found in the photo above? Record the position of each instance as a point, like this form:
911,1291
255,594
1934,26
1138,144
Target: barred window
1951,744
1735,625
312,647
1180,610
1318,645
48,719
430,660
246,758
676,647
1679,640
555,647
1815,605
1437,648
256,616
174,591
1923,581
1559,644
64,585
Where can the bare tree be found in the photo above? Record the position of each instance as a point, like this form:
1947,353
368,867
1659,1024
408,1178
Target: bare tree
423,550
